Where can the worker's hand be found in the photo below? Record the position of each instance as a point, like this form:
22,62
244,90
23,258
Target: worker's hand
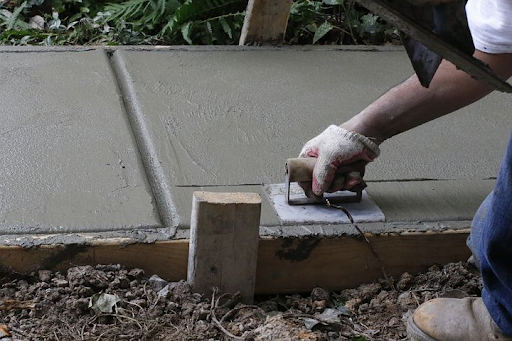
336,147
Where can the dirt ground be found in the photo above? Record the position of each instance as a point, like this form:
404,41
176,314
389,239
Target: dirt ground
108,302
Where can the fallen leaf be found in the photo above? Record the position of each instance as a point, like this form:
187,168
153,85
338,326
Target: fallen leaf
4,331
104,303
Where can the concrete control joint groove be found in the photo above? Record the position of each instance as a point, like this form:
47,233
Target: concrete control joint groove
144,140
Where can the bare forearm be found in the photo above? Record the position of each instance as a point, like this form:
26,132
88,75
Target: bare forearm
409,105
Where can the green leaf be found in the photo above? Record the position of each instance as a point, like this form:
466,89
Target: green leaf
14,17
185,32
369,23
325,28
333,2
359,338
226,27
312,27
194,10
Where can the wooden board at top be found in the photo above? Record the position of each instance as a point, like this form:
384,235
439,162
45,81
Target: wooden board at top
265,22
285,265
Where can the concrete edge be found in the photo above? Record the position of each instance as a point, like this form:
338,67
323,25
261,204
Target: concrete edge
121,238
145,142
124,238
198,48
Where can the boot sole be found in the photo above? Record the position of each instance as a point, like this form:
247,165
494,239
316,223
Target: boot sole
414,333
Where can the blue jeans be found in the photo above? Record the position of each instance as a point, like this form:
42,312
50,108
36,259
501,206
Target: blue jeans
491,244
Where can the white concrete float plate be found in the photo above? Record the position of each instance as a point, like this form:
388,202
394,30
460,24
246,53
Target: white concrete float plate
365,211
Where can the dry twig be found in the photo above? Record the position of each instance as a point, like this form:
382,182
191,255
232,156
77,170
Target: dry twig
217,322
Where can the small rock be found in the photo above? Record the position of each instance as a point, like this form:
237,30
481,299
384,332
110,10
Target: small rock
87,275
124,282
353,304
181,290
108,267
320,299
268,306
114,283
136,273
60,282
80,305
54,297
157,283
320,294
165,291
45,275
406,300
404,281
85,291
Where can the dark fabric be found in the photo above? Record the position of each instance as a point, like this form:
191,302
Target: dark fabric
491,244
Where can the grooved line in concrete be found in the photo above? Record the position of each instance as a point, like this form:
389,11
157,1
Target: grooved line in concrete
144,139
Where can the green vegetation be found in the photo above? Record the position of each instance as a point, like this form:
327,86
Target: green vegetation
142,22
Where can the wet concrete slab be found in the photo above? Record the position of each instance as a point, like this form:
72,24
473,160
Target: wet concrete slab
69,162
233,117
78,127
427,201
226,118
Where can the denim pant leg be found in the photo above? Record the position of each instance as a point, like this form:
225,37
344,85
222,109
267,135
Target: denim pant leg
475,236
491,244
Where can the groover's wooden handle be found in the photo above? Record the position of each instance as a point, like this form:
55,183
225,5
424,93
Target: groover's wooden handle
300,169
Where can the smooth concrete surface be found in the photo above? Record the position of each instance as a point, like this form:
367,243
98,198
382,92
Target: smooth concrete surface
232,117
117,146
68,159
428,201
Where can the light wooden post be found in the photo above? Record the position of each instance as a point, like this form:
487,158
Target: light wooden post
224,234
265,22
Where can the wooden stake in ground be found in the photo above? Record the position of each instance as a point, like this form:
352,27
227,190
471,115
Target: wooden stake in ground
224,234
265,22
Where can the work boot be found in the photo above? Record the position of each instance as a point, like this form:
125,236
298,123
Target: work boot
453,319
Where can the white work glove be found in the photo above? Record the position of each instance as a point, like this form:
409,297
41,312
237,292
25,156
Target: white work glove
333,148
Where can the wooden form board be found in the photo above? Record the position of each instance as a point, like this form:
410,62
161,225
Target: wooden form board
265,22
284,265
223,245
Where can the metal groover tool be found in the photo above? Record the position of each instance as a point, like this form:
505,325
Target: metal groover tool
301,170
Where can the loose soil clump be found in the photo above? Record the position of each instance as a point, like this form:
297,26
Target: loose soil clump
109,302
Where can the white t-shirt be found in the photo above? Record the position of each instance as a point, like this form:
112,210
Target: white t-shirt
490,22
